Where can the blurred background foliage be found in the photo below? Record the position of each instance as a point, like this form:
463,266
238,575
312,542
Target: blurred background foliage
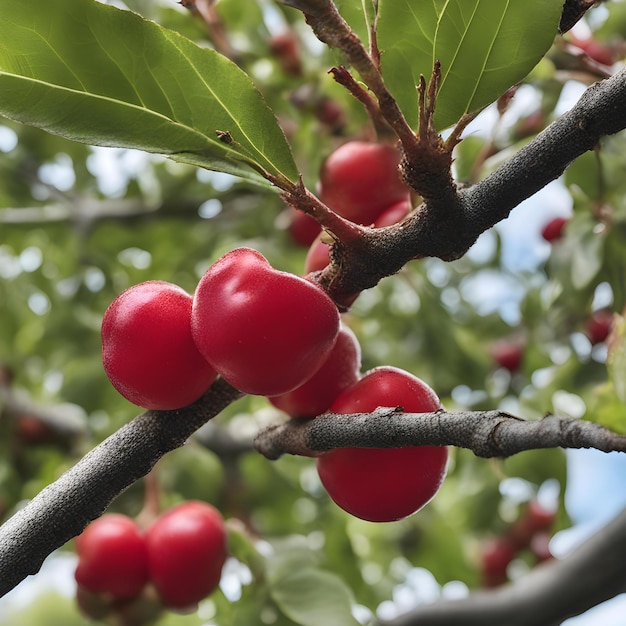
79,224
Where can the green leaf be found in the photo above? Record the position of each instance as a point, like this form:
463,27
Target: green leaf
484,46
312,597
103,76
360,14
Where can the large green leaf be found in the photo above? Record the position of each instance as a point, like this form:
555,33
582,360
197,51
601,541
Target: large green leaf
312,597
102,76
484,46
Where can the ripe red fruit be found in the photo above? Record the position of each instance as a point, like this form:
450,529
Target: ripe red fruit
318,256
112,557
495,557
533,520
340,371
376,484
553,230
330,113
147,349
508,353
303,228
538,517
265,331
359,180
286,48
598,326
393,214
186,553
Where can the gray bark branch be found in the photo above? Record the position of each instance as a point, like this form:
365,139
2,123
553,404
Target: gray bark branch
486,433
63,509
547,595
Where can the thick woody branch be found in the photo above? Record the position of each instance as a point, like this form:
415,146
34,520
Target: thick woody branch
63,509
486,433
601,111
447,226
592,573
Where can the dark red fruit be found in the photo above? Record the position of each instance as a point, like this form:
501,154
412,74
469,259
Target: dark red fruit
383,485
553,230
303,228
361,179
393,214
186,553
112,557
495,557
318,256
340,371
533,520
508,353
598,326
265,331
285,47
147,349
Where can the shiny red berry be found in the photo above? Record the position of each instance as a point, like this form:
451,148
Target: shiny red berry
112,557
186,552
147,349
265,331
384,484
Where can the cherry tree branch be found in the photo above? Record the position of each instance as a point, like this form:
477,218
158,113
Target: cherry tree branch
63,509
446,226
553,591
486,433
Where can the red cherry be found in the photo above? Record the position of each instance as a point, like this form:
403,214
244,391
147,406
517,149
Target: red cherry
535,518
495,557
303,228
340,371
286,48
598,326
553,230
186,553
147,349
265,331
376,484
393,214
330,113
318,256
33,431
538,517
112,557
360,179
508,353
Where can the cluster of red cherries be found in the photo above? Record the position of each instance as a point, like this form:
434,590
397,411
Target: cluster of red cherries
174,563
279,335
529,533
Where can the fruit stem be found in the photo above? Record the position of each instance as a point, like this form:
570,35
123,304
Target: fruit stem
299,197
